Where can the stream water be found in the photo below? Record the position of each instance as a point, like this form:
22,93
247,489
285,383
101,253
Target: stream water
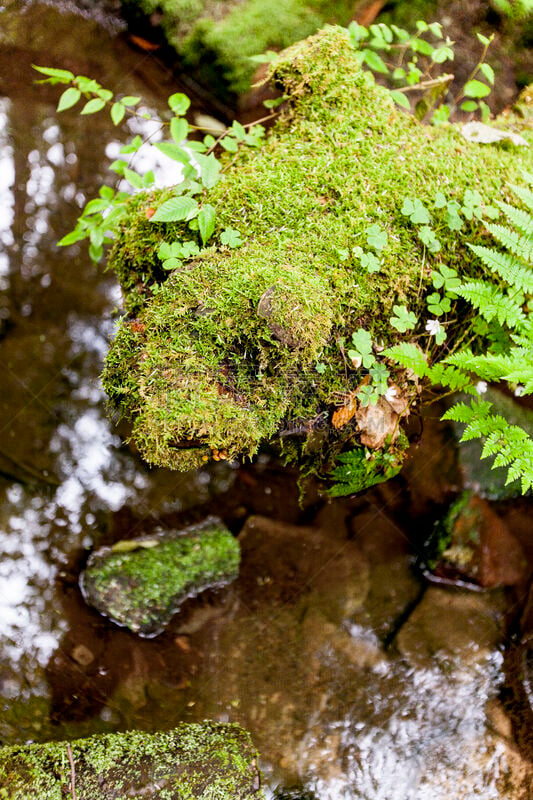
356,680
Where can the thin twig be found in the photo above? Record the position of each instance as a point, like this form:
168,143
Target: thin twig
72,773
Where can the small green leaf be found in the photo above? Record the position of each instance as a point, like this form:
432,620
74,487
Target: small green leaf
416,211
94,105
375,62
172,263
177,209
130,101
231,238
404,320
229,143
370,262
117,113
475,88
173,151
133,146
68,99
179,128
179,103
74,236
376,237
60,75
488,72
468,105
134,178
400,99
209,170
206,222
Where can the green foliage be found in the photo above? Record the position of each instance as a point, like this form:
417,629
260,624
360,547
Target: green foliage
410,63
360,468
102,217
510,302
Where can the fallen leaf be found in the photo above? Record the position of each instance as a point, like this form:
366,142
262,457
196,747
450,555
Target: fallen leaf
129,545
144,44
376,423
345,413
485,134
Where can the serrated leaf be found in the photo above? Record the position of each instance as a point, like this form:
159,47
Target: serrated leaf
68,99
209,170
375,62
94,105
177,209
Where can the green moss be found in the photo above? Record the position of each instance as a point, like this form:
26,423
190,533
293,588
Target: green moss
142,587
207,761
227,347
215,38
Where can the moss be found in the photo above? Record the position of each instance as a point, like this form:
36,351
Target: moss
216,39
142,586
207,761
227,347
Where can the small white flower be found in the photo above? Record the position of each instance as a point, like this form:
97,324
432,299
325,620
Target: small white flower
519,391
433,327
390,394
481,387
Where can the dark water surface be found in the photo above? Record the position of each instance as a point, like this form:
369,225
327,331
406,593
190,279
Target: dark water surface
354,679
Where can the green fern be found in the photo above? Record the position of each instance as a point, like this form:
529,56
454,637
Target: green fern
511,303
359,469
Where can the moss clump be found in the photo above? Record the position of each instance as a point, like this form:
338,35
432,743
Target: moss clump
224,353
141,583
216,38
208,761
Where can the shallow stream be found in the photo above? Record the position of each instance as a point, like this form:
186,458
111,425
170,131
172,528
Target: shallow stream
356,679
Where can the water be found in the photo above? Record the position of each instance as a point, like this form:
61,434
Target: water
328,648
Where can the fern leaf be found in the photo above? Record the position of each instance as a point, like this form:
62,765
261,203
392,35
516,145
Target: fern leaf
491,303
528,177
525,195
519,245
461,412
519,218
410,356
448,376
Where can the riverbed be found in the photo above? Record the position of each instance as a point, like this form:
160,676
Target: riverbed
356,678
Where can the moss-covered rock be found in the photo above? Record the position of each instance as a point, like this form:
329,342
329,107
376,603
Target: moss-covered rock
240,344
141,583
208,761
215,38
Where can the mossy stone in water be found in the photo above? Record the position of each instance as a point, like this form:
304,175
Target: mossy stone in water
141,583
201,762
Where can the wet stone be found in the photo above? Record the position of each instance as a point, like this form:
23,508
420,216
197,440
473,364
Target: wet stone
203,761
473,544
451,625
141,583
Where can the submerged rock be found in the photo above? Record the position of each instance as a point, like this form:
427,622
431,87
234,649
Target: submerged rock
197,761
141,583
473,544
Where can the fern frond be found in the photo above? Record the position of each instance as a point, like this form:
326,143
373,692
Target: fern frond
519,218
525,195
519,245
528,177
461,412
410,356
457,380
488,367
492,303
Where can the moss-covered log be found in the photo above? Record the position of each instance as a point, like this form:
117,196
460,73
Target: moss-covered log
191,762
241,344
